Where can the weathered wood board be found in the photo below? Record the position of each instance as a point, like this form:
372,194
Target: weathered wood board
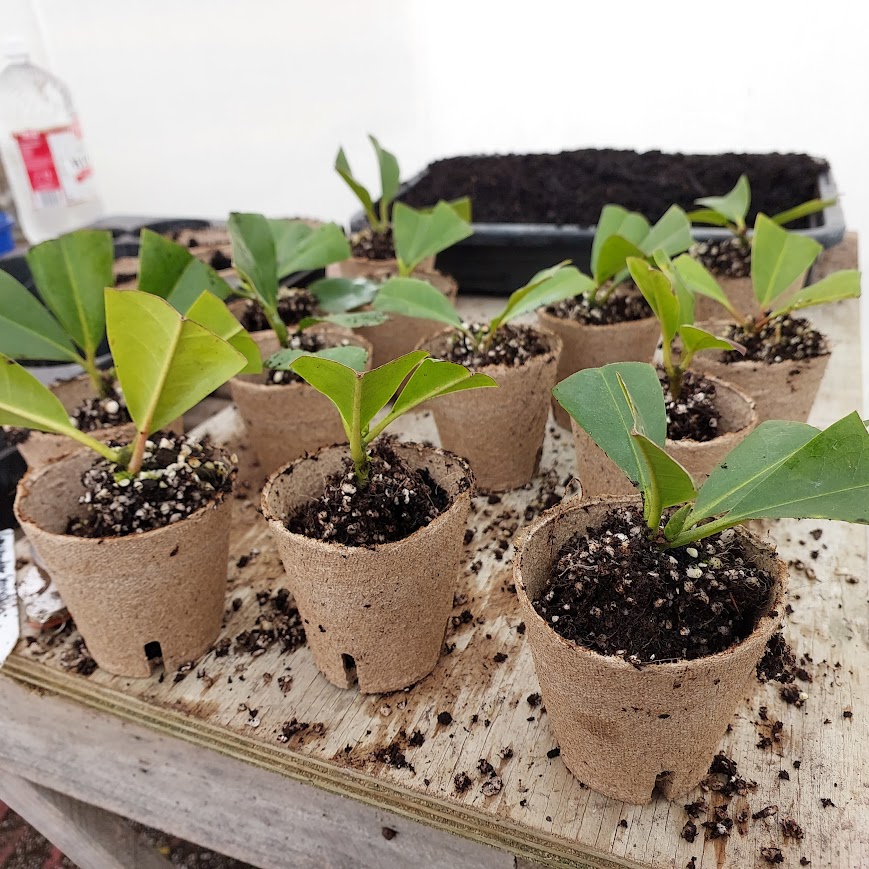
238,704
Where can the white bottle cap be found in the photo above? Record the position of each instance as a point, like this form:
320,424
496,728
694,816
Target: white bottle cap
15,49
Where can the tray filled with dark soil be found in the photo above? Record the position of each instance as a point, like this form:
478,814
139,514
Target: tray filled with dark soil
532,210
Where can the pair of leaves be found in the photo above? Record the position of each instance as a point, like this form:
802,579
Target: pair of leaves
389,181
421,234
360,396
340,295
351,356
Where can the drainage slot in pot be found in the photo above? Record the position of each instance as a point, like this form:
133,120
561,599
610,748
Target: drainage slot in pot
349,668
663,783
153,652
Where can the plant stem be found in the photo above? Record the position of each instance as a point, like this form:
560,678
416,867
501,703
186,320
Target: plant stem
674,372
90,366
277,324
698,532
135,463
357,442
97,446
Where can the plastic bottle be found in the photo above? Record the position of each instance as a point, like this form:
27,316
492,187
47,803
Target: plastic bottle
42,150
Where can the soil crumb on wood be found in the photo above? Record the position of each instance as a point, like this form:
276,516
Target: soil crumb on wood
693,416
625,305
728,258
397,501
278,622
512,345
783,339
301,731
778,661
617,593
367,244
178,477
294,304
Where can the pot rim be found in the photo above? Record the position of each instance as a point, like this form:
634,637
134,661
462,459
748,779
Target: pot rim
32,478
543,314
572,505
556,344
467,489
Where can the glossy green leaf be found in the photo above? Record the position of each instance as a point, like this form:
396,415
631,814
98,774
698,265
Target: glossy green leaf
778,258
611,258
389,177
733,205
671,234
380,384
615,221
658,292
169,270
833,288
547,287
338,382
27,329
355,320
669,482
212,314
677,521
418,235
342,167
337,295
695,340
299,247
351,356
71,273
414,298
165,363
804,209
698,279
254,255
707,216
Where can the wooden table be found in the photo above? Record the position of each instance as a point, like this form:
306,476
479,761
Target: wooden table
201,754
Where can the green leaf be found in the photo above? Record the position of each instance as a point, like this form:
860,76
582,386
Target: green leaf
698,279
778,258
169,270
461,206
27,329
677,521
389,177
804,209
612,256
356,320
695,340
337,295
547,287
418,235
669,482
351,356
299,247
71,273
342,167
707,216
658,292
254,255
27,403
748,464
671,234
833,288
595,399
165,363
380,384
630,228
213,315
338,382
733,205
414,298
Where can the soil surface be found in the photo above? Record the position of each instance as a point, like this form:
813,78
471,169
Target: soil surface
97,413
178,477
784,339
730,258
694,416
368,244
397,501
625,305
310,341
294,304
572,187
617,593
512,345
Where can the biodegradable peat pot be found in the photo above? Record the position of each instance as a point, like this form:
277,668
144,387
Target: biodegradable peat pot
624,730
284,422
588,346
499,431
361,267
164,586
599,474
383,608
780,390
41,447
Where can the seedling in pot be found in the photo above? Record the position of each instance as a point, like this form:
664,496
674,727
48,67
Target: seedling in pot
360,396
782,469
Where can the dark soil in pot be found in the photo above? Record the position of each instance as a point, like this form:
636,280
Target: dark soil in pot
310,341
784,339
294,304
368,244
694,415
572,187
512,345
617,593
625,305
728,258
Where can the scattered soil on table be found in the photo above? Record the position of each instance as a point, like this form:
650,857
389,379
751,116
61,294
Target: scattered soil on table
572,187
512,346
694,416
784,339
78,659
625,305
308,341
368,244
396,501
777,662
96,413
729,258
299,731
615,592
178,476
278,622
294,304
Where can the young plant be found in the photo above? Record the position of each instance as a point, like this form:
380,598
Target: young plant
781,470
360,396
673,306
415,298
778,258
165,364
731,210
264,251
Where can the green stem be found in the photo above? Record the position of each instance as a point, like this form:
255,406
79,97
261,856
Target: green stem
357,442
277,324
138,453
698,532
674,372
605,296
90,366
97,446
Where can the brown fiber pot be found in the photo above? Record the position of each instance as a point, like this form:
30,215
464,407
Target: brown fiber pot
599,475
382,610
285,422
739,291
42,447
499,431
624,730
780,390
587,346
165,586
360,267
